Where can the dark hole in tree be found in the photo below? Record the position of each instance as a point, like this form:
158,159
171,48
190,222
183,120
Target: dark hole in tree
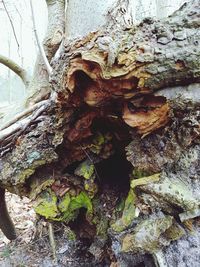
83,229
82,80
71,168
114,172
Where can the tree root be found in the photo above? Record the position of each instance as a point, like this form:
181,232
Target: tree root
6,224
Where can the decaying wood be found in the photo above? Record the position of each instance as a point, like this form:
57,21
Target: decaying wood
123,97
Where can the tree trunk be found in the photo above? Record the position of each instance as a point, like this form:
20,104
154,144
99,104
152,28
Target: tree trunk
115,149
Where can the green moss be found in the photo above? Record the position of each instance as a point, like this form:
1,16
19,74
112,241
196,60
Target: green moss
91,187
67,209
69,206
68,215
23,175
81,201
87,170
64,204
128,213
46,205
120,206
100,220
130,207
99,141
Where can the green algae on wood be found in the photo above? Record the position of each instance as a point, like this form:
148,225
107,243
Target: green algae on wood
64,204
46,205
71,205
145,180
90,187
137,173
145,236
102,227
173,191
99,141
128,213
81,201
66,209
19,167
85,169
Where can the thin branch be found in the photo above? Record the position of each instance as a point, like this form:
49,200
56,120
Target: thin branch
18,126
40,86
23,114
22,73
21,126
11,23
49,69
52,242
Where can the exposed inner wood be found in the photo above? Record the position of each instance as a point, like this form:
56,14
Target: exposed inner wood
120,97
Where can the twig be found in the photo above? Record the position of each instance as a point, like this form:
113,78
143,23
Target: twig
22,73
90,159
23,114
49,69
52,242
11,23
23,124
17,128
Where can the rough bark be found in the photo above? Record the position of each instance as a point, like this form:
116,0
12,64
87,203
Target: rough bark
118,13
118,145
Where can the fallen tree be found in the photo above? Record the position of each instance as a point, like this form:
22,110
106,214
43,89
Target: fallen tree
111,141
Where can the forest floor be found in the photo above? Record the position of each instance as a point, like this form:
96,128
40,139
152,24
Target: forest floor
32,247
